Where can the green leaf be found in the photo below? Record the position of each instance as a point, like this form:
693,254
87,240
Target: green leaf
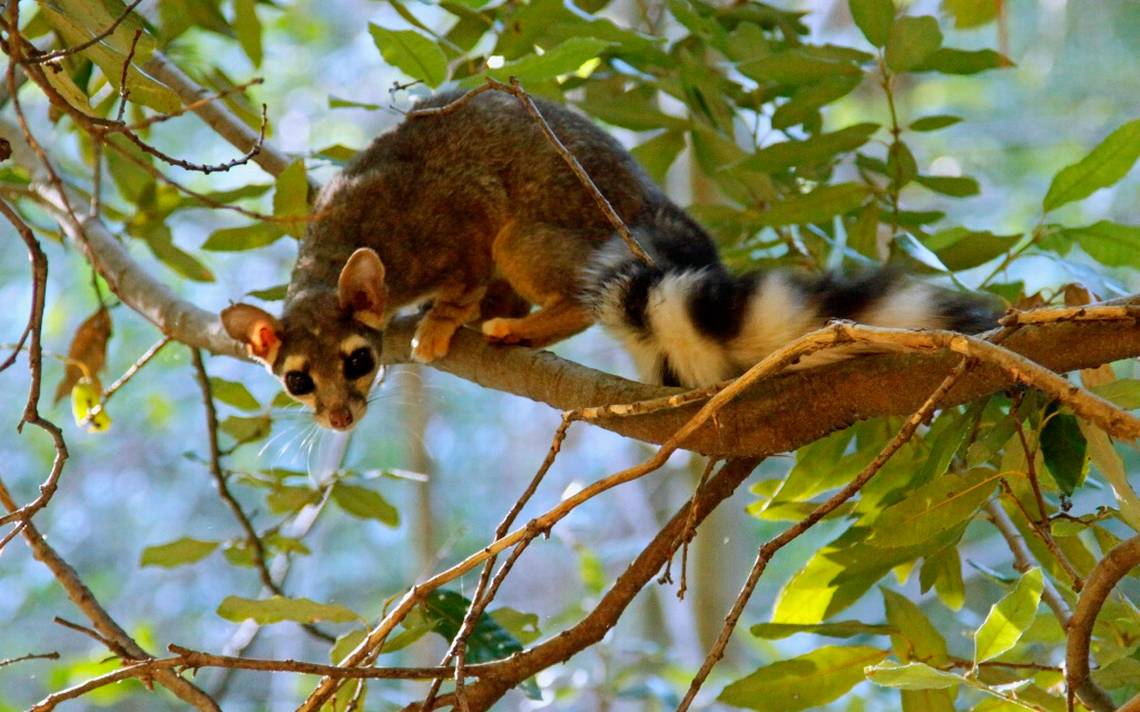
943,570
248,29
291,197
288,500
1064,449
1104,165
961,61
804,104
1009,618
912,676
955,186
913,636
177,553
365,503
874,18
233,393
523,626
270,294
834,629
821,204
411,53
863,231
797,66
912,40
813,151
178,259
938,506
658,153
1110,464
444,611
1124,392
346,643
278,608
901,166
565,58
335,102
934,122
970,13
959,248
1107,242
246,430
246,237
801,683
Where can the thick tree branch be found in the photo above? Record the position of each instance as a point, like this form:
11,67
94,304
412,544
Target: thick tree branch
770,418
1108,571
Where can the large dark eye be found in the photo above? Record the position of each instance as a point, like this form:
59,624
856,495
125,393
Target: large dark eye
298,383
359,363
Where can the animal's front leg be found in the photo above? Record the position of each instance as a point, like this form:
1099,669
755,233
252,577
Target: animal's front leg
454,305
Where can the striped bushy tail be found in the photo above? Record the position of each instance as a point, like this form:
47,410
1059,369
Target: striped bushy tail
688,322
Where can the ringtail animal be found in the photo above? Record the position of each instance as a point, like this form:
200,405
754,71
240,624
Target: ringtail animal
475,211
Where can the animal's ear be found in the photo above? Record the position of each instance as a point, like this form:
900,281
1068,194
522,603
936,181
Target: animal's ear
256,328
361,289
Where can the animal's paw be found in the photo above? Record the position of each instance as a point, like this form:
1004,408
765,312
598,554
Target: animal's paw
432,340
500,331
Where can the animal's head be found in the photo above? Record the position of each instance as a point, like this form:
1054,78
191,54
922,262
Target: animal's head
326,349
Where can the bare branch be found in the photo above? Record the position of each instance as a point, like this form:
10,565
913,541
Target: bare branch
1114,566
30,656
85,601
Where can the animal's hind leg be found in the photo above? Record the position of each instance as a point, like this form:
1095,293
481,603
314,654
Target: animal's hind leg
543,262
557,320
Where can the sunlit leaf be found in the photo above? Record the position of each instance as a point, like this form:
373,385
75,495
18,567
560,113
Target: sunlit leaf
278,608
943,570
971,13
1104,165
563,59
291,197
1009,618
246,237
833,629
801,683
821,204
177,553
248,29
962,61
411,53
1124,392
934,122
85,395
911,40
233,393
365,503
912,676
913,636
874,18
1109,243
938,506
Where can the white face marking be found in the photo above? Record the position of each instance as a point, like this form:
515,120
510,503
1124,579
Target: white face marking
351,343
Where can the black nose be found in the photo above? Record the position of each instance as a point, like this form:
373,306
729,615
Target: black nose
340,417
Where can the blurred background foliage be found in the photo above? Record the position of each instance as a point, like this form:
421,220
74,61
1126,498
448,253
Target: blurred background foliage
777,124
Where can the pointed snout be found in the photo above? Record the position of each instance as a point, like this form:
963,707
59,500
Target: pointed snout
340,417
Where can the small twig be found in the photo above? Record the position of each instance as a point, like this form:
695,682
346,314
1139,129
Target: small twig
1041,531
458,647
202,167
1030,463
97,180
124,92
61,53
1023,560
516,90
768,550
196,659
1116,312
94,635
690,528
85,600
128,375
194,105
1114,566
30,656
256,547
